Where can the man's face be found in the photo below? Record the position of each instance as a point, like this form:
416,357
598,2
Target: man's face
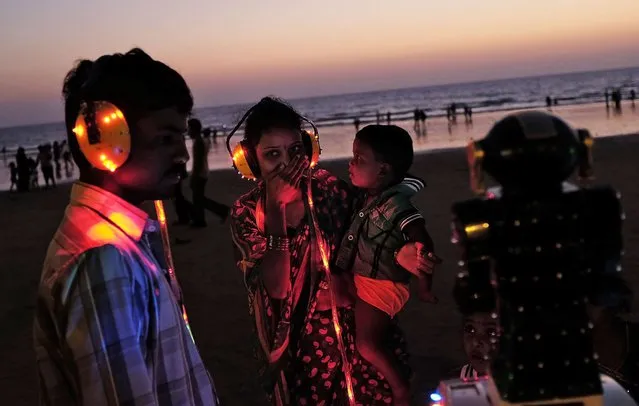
157,152
480,329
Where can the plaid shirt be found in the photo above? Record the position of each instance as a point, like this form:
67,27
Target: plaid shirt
108,327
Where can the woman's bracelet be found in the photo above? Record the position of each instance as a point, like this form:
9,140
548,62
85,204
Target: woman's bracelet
274,243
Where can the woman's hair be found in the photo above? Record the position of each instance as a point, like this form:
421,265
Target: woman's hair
134,82
270,113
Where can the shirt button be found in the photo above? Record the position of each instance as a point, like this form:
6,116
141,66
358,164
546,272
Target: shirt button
350,237
361,214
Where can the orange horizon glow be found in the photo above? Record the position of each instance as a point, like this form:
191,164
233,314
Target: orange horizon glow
238,51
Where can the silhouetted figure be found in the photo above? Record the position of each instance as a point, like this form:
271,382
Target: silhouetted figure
45,159
66,157
416,117
14,176
633,96
422,118
199,177
214,135
24,170
388,118
379,117
206,134
33,173
556,102
56,159
182,206
356,123
548,103
468,115
607,96
616,99
453,112
4,155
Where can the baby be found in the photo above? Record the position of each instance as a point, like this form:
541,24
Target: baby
384,220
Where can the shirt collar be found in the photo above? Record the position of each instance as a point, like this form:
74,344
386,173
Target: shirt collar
130,219
409,186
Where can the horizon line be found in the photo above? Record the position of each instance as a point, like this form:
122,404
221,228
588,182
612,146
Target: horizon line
463,82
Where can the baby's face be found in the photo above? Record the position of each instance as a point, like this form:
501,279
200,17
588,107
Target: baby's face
364,169
479,330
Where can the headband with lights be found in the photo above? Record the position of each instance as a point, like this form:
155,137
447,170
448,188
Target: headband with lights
104,139
243,155
103,135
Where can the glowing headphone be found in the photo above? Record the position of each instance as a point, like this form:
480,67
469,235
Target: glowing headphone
245,160
103,135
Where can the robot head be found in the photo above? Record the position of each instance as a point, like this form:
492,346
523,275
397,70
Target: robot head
530,150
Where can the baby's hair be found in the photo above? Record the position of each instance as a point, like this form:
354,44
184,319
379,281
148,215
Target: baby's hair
390,144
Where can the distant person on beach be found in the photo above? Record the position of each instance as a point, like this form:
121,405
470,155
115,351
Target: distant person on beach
356,123
468,114
275,232
422,118
109,323
417,122
24,170
183,208
57,154
386,219
200,176
633,96
66,156
206,135
388,118
378,117
549,102
616,99
607,96
33,173
4,154
14,176
45,160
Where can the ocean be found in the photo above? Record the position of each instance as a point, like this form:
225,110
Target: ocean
336,110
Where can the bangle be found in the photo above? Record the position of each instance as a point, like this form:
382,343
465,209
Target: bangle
274,243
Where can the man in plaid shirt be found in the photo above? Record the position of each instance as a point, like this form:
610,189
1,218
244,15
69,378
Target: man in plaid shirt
109,328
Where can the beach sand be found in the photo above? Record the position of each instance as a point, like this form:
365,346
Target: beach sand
216,297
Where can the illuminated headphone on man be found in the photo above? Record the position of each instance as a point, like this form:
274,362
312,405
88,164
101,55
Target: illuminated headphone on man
245,160
103,135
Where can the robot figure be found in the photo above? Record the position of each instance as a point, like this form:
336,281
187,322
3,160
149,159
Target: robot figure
534,241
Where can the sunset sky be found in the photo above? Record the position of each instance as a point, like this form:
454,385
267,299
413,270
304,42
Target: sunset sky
239,50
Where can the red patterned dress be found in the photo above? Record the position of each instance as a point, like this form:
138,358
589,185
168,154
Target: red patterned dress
300,363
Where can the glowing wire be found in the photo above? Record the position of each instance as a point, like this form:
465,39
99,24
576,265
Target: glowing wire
336,324
166,242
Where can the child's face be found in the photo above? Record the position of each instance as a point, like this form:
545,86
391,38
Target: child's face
479,329
365,170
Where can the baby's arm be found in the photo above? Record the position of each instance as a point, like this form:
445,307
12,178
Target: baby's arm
416,231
